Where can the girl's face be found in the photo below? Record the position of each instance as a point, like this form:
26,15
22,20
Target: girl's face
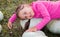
26,13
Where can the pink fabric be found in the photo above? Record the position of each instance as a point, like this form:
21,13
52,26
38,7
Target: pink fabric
43,0
13,18
47,10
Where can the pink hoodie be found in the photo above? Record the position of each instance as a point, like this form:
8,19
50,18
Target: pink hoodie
47,10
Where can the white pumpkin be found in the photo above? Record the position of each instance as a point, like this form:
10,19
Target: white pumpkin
1,15
33,22
54,26
34,34
0,28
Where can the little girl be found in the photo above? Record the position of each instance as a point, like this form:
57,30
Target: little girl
47,10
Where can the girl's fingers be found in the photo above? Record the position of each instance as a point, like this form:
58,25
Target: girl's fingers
32,30
9,26
28,30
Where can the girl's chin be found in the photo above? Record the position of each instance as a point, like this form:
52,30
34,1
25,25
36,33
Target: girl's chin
30,17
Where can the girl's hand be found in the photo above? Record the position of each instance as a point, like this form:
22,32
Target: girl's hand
9,25
33,29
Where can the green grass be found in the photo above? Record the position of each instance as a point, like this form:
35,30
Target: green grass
8,7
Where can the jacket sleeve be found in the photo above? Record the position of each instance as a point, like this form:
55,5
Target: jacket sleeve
13,18
46,17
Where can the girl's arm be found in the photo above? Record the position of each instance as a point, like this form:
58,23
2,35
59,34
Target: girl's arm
13,18
45,14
